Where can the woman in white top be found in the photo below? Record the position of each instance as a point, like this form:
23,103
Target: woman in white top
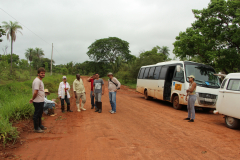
63,93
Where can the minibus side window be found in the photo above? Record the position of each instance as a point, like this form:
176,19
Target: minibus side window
146,73
223,83
234,84
140,76
157,72
179,76
150,75
163,72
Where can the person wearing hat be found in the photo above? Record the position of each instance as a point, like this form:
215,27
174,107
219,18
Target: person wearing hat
63,93
48,104
191,92
113,86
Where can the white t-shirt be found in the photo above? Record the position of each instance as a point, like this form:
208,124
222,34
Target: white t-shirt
38,85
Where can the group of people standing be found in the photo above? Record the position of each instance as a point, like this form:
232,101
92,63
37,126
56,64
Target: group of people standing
41,102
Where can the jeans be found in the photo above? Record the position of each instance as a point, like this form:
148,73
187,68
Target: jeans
48,105
98,97
37,114
190,106
92,99
66,100
112,99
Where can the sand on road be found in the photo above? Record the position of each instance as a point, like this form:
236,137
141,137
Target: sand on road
141,129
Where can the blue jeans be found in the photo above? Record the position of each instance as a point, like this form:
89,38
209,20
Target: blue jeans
48,105
190,106
92,99
112,99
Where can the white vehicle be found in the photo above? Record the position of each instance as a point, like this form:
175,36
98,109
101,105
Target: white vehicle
168,81
228,100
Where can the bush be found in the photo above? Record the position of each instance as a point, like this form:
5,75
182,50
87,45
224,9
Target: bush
14,103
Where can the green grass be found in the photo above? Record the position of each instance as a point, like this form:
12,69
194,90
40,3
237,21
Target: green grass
14,103
130,84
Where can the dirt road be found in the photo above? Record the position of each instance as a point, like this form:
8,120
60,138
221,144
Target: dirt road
141,129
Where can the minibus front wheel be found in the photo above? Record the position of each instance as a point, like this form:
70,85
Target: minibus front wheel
231,122
176,104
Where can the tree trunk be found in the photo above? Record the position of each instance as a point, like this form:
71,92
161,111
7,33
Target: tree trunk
11,52
30,69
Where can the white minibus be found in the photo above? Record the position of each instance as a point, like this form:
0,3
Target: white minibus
168,81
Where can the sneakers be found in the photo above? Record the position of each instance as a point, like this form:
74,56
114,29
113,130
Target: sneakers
186,119
38,131
112,112
83,109
192,120
42,128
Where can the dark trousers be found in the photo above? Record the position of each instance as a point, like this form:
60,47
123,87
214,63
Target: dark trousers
92,99
37,117
66,100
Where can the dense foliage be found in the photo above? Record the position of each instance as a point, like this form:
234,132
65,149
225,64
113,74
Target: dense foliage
214,37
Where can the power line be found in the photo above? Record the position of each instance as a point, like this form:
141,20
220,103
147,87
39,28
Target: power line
27,28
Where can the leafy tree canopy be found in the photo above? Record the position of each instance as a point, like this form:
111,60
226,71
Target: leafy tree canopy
2,32
108,49
214,36
7,58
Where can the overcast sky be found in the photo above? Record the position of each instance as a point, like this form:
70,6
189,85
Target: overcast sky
72,25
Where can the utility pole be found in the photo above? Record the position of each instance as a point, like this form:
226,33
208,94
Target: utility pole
51,58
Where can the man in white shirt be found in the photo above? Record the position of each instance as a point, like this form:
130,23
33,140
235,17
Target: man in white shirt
38,100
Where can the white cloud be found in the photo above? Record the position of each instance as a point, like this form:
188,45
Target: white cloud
72,25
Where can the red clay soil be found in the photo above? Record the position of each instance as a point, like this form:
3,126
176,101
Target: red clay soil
141,129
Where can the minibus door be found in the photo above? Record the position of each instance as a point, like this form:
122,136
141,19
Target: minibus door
168,83
161,82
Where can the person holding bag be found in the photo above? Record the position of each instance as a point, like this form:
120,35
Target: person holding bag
113,86
63,93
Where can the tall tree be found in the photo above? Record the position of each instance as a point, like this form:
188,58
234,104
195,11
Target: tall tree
164,50
38,55
11,28
214,36
29,56
108,49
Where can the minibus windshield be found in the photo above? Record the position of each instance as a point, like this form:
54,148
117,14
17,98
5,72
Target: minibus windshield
204,75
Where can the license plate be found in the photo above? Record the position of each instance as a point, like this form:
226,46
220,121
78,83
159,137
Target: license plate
208,100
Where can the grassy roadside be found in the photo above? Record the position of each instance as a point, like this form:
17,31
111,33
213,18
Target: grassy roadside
130,84
14,103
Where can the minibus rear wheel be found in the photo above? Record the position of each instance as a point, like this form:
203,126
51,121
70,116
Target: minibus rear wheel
232,123
146,95
176,104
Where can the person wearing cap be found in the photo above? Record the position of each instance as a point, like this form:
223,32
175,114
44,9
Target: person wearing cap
191,92
38,100
48,104
98,91
113,86
63,93
91,79
79,91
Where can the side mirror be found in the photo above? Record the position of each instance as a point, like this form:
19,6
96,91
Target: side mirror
178,68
